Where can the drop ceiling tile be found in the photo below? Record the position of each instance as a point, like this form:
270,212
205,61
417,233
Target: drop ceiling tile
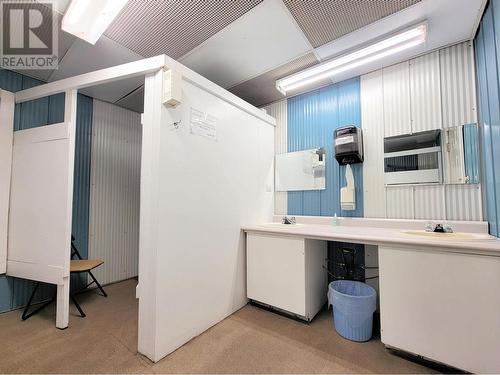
59,5
324,21
442,29
262,39
173,27
64,43
262,90
133,101
83,57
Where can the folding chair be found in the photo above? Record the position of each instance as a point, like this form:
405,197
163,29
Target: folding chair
83,265
77,266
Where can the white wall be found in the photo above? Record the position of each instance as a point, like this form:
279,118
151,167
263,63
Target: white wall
196,194
430,92
115,191
6,136
279,111
433,91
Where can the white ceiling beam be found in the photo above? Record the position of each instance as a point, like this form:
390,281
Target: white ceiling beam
99,77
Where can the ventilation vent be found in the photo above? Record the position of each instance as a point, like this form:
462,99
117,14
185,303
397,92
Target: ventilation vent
173,27
324,21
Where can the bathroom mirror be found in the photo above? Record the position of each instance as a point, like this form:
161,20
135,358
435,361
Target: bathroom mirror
460,150
301,170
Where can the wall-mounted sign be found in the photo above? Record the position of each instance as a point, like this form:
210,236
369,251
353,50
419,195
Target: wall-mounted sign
203,124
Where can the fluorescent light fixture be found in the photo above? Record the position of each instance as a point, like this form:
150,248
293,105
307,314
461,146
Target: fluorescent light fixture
88,19
390,46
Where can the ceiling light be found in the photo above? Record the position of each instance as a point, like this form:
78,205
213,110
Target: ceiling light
88,19
395,44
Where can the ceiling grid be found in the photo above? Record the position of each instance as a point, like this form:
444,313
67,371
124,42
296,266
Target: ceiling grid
173,27
324,21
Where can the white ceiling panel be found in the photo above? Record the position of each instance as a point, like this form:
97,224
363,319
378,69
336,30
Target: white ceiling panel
133,101
264,38
64,40
61,5
449,22
173,27
83,57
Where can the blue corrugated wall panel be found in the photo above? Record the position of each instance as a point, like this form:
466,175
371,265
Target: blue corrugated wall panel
15,292
5,293
484,114
471,152
487,47
312,119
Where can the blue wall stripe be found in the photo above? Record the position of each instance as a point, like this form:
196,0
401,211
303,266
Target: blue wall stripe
312,119
487,45
471,152
15,292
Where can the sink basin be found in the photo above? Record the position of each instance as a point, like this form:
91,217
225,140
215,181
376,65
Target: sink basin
457,236
279,225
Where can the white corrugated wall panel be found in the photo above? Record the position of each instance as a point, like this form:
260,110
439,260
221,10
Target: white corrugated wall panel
372,123
397,99
430,202
458,87
425,89
400,202
463,202
115,191
279,111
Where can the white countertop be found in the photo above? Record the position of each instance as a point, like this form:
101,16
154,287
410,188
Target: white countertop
383,236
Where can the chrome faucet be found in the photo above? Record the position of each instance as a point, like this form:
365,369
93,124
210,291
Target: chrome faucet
438,228
288,220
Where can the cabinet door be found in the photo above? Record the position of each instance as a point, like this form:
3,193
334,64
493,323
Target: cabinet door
276,271
441,305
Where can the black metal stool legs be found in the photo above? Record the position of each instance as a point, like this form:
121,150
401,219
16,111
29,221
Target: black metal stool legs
82,314
27,315
98,285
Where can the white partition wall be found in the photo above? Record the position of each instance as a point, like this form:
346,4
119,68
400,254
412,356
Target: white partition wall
115,191
207,169
41,201
6,134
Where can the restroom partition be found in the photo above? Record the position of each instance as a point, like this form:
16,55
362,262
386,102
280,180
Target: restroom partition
41,187
207,169
40,212
6,133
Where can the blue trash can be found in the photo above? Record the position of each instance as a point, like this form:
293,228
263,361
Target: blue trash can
353,306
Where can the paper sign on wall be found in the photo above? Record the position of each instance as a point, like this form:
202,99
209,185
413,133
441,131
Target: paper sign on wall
203,124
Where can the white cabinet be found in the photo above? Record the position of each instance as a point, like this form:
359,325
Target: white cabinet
441,305
287,273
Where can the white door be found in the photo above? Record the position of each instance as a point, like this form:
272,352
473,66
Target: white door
6,130
41,200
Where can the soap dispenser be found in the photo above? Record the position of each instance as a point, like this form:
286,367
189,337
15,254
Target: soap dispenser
335,221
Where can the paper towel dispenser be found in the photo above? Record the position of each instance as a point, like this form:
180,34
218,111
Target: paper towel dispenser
349,145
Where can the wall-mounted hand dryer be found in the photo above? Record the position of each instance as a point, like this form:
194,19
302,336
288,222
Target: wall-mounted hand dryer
348,145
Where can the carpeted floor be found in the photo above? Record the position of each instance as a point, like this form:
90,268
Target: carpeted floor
250,341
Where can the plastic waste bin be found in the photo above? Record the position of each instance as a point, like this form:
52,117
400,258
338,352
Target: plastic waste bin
353,304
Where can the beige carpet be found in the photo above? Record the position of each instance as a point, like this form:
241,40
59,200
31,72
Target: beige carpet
251,341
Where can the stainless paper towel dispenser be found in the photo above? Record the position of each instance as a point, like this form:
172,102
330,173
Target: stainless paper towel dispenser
348,145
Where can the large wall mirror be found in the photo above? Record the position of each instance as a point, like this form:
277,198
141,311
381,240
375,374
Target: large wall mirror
301,170
449,156
461,155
